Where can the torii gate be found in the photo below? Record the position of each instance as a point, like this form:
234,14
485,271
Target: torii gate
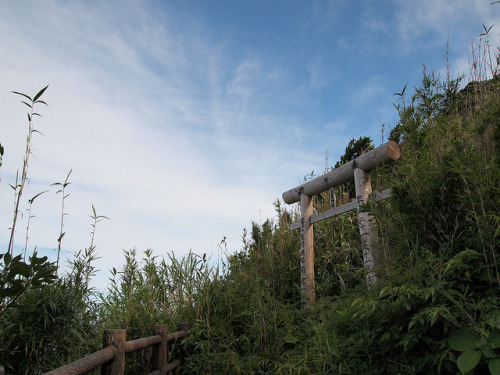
358,169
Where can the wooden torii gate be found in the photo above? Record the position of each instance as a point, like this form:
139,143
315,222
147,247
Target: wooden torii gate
358,169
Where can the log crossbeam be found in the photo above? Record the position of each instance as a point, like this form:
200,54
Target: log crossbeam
351,206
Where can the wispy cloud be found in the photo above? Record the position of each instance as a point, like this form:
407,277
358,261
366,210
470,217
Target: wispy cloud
439,18
324,15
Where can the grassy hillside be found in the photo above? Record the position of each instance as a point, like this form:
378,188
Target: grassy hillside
434,311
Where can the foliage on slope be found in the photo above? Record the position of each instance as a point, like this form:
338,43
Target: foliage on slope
439,239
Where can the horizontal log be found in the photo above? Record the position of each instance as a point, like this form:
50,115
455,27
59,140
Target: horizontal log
341,209
385,153
173,365
145,342
170,366
142,343
87,363
176,335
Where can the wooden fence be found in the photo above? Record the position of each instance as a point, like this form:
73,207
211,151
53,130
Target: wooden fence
358,169
111,358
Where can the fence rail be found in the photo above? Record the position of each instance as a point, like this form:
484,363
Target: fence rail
112,357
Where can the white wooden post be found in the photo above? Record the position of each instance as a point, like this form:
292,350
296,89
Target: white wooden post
307,252
366,223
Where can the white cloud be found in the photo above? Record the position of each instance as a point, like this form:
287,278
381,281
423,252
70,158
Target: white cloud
375,23
438,18
414,19
370,89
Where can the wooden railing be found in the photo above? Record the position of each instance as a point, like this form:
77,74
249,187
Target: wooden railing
111,358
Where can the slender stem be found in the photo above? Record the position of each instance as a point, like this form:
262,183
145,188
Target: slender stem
24,175
27,232
59,241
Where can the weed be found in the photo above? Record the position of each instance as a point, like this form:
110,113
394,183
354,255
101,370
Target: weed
19,187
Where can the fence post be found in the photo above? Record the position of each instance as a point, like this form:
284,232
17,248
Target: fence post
307,251
366,223
160,352
183,326
115,337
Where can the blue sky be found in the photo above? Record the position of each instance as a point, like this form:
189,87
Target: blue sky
183,121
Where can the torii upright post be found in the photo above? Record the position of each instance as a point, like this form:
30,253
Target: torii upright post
366,224
307,287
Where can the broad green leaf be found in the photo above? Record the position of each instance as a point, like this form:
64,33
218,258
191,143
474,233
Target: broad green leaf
494,338
412,323
7,258
462,340
488,352
494,366
21,269
434,316
40,93
10,292
468,360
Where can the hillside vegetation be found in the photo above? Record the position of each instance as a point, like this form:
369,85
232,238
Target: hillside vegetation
435,309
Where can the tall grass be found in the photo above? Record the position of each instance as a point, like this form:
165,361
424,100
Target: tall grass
19,186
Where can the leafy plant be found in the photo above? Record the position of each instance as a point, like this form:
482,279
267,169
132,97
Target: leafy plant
62,190
16,277
476,349
19,187
30,216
